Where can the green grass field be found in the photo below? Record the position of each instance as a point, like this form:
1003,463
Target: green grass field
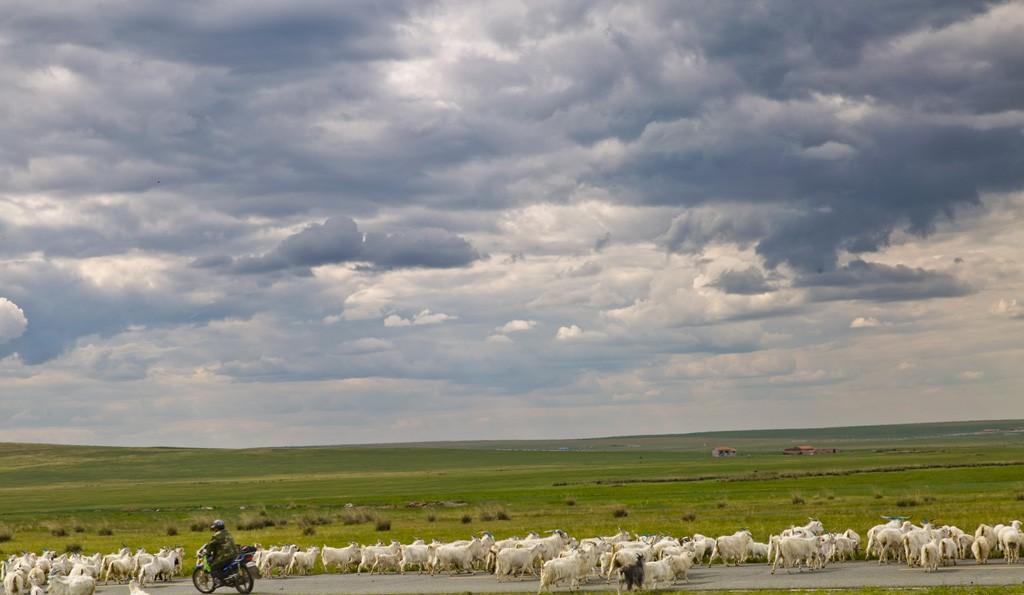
953,473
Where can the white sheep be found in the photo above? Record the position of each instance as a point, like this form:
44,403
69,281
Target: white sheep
416,554
368,555
731,547
386,562
666,570
797,550
931,555
279,559
303,562
135,589
458,557
71,585
342,557
522,560
571,568
981,548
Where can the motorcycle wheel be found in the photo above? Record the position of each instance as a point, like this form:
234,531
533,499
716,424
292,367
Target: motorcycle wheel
245,581
203,581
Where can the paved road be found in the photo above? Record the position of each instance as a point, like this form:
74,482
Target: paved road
850,574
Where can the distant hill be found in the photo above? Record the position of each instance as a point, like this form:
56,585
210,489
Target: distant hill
850,436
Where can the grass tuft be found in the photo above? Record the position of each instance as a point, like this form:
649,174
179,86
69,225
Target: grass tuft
689,516
383,525
466,519
73,548
797,499
907,502
620,512
570,501
171,531
6,534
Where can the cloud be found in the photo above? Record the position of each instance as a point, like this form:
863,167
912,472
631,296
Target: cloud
748,281
865,322
1008,308
423,317
863,280
259,202
12,320
339,240
516,326
829,151
568,333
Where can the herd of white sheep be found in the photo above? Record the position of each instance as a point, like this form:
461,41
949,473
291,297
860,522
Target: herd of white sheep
556,558
77,574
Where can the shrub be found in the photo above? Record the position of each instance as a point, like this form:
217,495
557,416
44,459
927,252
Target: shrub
106,531
356,517
570,501
689,516
316,520
6,534
171,531
486,516
73,548
721,504
383,525
77,527
57,529
797,499
620,512
878,495
1020,496
466,519
929,499
907,502
502,515
431,518
309,530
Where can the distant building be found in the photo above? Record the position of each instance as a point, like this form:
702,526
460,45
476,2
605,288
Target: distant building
723,451
803,449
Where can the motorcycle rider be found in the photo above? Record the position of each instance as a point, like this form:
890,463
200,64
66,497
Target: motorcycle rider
221,549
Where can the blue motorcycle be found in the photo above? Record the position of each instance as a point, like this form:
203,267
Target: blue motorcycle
240,573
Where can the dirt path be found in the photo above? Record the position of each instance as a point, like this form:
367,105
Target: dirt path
851,574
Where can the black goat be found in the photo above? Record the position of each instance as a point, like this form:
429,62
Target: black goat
632,575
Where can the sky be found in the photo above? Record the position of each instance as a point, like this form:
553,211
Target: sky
237,223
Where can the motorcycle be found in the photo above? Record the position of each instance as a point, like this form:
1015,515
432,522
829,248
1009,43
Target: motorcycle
241,573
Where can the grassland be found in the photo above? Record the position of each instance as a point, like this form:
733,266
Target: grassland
105,497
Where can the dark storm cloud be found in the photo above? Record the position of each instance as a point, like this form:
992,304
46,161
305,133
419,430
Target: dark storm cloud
860,280
339,240
802,129
748,281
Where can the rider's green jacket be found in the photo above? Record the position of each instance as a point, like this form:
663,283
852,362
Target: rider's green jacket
221,547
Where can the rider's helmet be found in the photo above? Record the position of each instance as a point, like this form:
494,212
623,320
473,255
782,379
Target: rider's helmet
217,525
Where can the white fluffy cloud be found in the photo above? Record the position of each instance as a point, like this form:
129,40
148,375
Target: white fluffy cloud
12,320
516,326
865,322
421,318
